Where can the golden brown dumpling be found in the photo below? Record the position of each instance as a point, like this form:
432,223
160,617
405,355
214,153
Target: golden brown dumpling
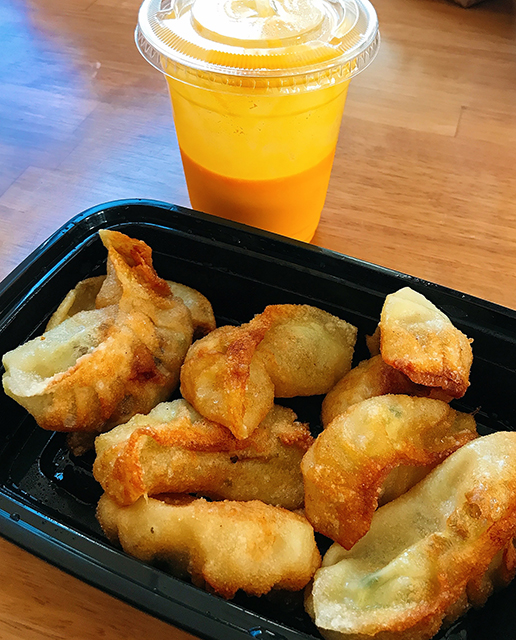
173,449
369,379
232,375
429,555
101,366
83,298
373,453
199,306
225,546
420,340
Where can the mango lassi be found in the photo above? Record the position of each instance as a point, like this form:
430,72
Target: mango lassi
258,90
267,204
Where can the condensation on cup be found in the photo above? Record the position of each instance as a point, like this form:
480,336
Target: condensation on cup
258,90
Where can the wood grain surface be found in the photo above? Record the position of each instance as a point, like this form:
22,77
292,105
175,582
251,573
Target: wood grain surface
424,182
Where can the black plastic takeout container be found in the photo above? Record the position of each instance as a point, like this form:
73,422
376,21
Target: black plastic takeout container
48,498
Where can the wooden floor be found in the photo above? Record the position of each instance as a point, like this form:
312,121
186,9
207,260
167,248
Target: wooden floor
424,182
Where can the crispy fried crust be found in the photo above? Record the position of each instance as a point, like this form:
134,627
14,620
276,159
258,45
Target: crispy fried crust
232,375
369,379
429,555
220,379
419,340
173,449
225,546
378,449
84,295
99,367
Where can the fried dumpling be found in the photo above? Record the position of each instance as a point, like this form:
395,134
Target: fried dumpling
101,366
225,546
232,375
372,378
420,340
83,298
173,449
373,453
199,306
429,555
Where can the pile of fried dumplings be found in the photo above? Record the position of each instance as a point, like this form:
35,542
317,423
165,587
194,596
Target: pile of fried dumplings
227,487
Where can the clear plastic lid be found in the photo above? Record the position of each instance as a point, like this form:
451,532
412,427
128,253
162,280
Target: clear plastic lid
265,39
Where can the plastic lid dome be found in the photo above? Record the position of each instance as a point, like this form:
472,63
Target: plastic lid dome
259,38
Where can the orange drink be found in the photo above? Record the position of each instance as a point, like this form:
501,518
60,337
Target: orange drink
258,90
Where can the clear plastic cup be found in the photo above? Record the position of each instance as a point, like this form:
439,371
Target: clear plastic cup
258,89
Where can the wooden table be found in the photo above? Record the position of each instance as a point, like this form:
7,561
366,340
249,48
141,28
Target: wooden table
424,182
